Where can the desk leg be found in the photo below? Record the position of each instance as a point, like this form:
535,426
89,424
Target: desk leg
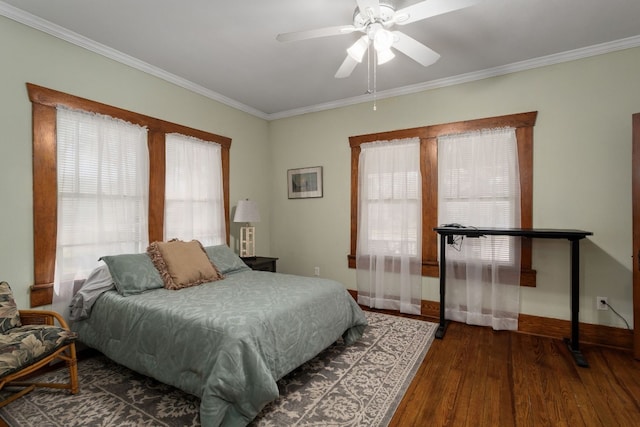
574,343
442,328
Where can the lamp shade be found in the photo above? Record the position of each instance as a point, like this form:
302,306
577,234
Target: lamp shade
246,211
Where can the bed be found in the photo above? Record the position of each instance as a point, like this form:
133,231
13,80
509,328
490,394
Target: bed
226,341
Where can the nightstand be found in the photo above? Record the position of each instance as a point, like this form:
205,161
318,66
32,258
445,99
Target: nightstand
261,263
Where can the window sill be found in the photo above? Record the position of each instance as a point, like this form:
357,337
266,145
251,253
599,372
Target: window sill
432,269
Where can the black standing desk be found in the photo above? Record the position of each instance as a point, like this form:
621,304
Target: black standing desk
574,236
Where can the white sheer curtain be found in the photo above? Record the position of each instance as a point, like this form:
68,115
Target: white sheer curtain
194,202
479,185
389,252
103,181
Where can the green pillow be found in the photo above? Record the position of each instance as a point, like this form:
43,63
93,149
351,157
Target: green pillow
133,273
225,260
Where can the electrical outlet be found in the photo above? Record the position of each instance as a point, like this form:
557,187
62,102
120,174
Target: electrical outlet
316,271
601,303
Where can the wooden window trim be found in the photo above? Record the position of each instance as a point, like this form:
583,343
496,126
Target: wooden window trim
45,199
523,122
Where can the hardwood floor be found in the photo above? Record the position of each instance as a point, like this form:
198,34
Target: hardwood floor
479,377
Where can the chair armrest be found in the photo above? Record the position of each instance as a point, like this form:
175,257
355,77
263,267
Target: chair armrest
42,317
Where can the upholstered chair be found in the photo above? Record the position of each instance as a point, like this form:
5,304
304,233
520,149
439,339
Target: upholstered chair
29,340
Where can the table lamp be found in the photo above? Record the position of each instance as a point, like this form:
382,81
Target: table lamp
247,212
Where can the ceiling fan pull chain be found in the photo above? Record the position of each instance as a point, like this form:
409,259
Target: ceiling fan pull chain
375,79
369,68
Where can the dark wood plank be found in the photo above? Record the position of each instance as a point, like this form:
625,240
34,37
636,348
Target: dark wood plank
498,401
471,382
479,377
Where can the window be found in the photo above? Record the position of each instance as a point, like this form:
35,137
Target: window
479,185
102,178
103,188
45,181
388,257
391,198
523,123
194,207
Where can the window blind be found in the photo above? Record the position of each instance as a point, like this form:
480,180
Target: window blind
194,202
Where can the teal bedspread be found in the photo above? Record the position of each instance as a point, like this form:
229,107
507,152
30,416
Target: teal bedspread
228,341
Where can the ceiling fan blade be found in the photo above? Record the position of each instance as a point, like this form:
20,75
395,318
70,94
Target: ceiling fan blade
319,32
369,7
428,8
414,49
347,67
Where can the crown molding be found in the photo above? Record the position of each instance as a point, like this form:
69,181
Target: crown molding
50,28
62,33
558,58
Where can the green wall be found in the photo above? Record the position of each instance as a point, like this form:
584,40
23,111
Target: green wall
582,175
28,55
582,160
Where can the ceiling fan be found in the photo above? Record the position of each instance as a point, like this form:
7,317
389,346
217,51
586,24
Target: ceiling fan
375,18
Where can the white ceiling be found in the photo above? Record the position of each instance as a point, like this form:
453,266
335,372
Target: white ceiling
227,50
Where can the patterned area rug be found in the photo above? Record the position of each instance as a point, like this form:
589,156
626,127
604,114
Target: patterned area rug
357,385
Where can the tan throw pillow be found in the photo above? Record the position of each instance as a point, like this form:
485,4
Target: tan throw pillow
182,264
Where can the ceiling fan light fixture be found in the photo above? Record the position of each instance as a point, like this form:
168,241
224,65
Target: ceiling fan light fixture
384,56
382,39
357,50
375,19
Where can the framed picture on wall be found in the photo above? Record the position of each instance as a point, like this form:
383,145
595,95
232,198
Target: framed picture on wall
304,183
